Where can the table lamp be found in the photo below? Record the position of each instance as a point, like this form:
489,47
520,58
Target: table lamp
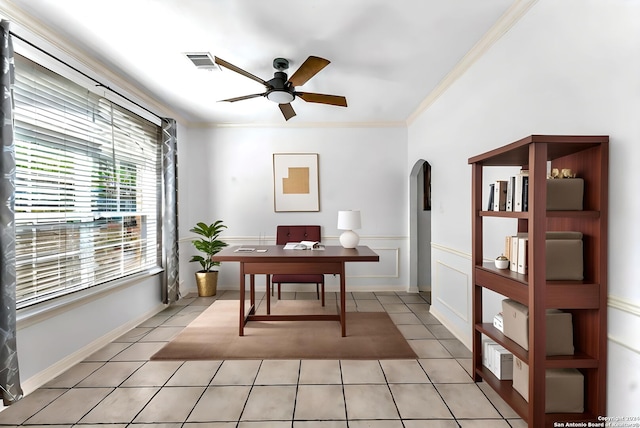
348,221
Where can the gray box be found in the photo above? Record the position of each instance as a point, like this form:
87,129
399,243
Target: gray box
565,194
564,388
559,327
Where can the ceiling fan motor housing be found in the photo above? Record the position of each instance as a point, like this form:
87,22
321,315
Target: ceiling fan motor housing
281,90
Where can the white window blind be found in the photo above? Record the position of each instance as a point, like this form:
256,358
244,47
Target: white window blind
87,183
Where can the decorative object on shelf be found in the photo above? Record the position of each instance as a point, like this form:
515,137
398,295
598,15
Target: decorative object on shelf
502,262
209,245
295,182
348,221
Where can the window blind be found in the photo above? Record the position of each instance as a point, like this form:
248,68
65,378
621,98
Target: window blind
87,183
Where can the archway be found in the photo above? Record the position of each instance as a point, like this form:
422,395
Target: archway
420,227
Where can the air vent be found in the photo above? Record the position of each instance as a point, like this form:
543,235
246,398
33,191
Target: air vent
202,60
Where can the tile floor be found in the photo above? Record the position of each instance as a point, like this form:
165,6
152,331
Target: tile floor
119,387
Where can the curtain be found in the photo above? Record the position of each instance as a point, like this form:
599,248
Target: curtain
170,283
10,389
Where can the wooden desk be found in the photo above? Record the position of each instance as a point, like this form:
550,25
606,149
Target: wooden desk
276,260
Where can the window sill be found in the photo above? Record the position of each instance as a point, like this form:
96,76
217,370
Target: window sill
39,312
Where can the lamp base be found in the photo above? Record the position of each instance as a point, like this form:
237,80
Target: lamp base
349,239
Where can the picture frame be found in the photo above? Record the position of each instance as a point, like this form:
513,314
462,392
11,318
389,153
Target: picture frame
295,182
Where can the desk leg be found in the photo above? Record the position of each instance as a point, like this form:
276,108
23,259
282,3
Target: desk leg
241,333
268,279
343,320
252,290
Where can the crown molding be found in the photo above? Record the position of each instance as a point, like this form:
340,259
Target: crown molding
515,12
314,125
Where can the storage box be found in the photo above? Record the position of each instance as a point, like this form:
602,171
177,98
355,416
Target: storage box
564,256
564,388
559,327
565,194
497,359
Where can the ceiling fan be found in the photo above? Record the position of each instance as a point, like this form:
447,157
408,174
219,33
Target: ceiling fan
282,90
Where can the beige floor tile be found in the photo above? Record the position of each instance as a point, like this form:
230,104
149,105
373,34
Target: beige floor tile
419,401
466,364
154,321
415,332
361,372
270,403
278,372
220,403
319,402
170,405
429,348
427,318
431,423
194,373
307,295
483,423
456,348
107,352
181,319
466,401
134,334
376,424
517,423
261,424
419,308
111,374
162,334
236,372
440,331
74,375
396,308
413,298
153,373
505,410
97,426
122,405
442,370
22,410
369,402
320,424
139,352
320,372
405,318
389,299
403,371
363,295
369,306
70,406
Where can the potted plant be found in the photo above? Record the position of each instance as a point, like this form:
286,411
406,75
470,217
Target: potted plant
209,245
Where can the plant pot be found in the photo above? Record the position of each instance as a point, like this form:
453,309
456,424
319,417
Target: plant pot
207,283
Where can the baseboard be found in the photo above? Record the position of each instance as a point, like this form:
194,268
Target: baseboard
460,335
56,369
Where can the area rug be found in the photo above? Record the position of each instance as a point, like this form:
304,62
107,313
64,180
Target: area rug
214,336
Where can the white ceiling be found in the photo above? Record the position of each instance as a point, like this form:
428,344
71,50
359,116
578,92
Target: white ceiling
386,56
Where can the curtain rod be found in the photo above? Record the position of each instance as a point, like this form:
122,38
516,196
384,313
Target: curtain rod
97,82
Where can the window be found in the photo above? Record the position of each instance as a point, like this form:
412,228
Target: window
87,187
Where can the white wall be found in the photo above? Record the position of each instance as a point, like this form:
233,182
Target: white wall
567,67
227,173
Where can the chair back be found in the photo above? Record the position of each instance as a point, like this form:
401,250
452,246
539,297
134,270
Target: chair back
297,233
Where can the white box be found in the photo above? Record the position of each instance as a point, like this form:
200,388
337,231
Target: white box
498,322
502,363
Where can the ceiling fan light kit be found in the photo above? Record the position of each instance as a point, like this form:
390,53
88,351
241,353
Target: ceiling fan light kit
281,89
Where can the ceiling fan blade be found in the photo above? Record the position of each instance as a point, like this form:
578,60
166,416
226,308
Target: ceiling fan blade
308,69
244,97
334,100
238,70
287,111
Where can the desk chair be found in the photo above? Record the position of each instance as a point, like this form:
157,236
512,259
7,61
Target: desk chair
286,234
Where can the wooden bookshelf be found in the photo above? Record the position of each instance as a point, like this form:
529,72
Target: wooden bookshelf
587,156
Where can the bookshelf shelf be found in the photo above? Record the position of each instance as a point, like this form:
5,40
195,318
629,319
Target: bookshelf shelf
586,299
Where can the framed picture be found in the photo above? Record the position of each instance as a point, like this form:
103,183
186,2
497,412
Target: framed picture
295,182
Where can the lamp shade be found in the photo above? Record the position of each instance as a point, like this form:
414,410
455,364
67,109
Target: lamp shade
348,220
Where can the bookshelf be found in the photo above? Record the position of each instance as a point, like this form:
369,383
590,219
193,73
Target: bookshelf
587,156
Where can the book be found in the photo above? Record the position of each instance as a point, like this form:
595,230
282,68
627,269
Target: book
523,246
500,195
304,245
510,192
490,205
518,190
513,259
244,250
525,193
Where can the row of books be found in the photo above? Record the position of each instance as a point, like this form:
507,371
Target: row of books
510,195
516,250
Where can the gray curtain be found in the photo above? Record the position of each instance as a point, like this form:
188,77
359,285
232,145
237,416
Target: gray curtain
170,286
10,389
